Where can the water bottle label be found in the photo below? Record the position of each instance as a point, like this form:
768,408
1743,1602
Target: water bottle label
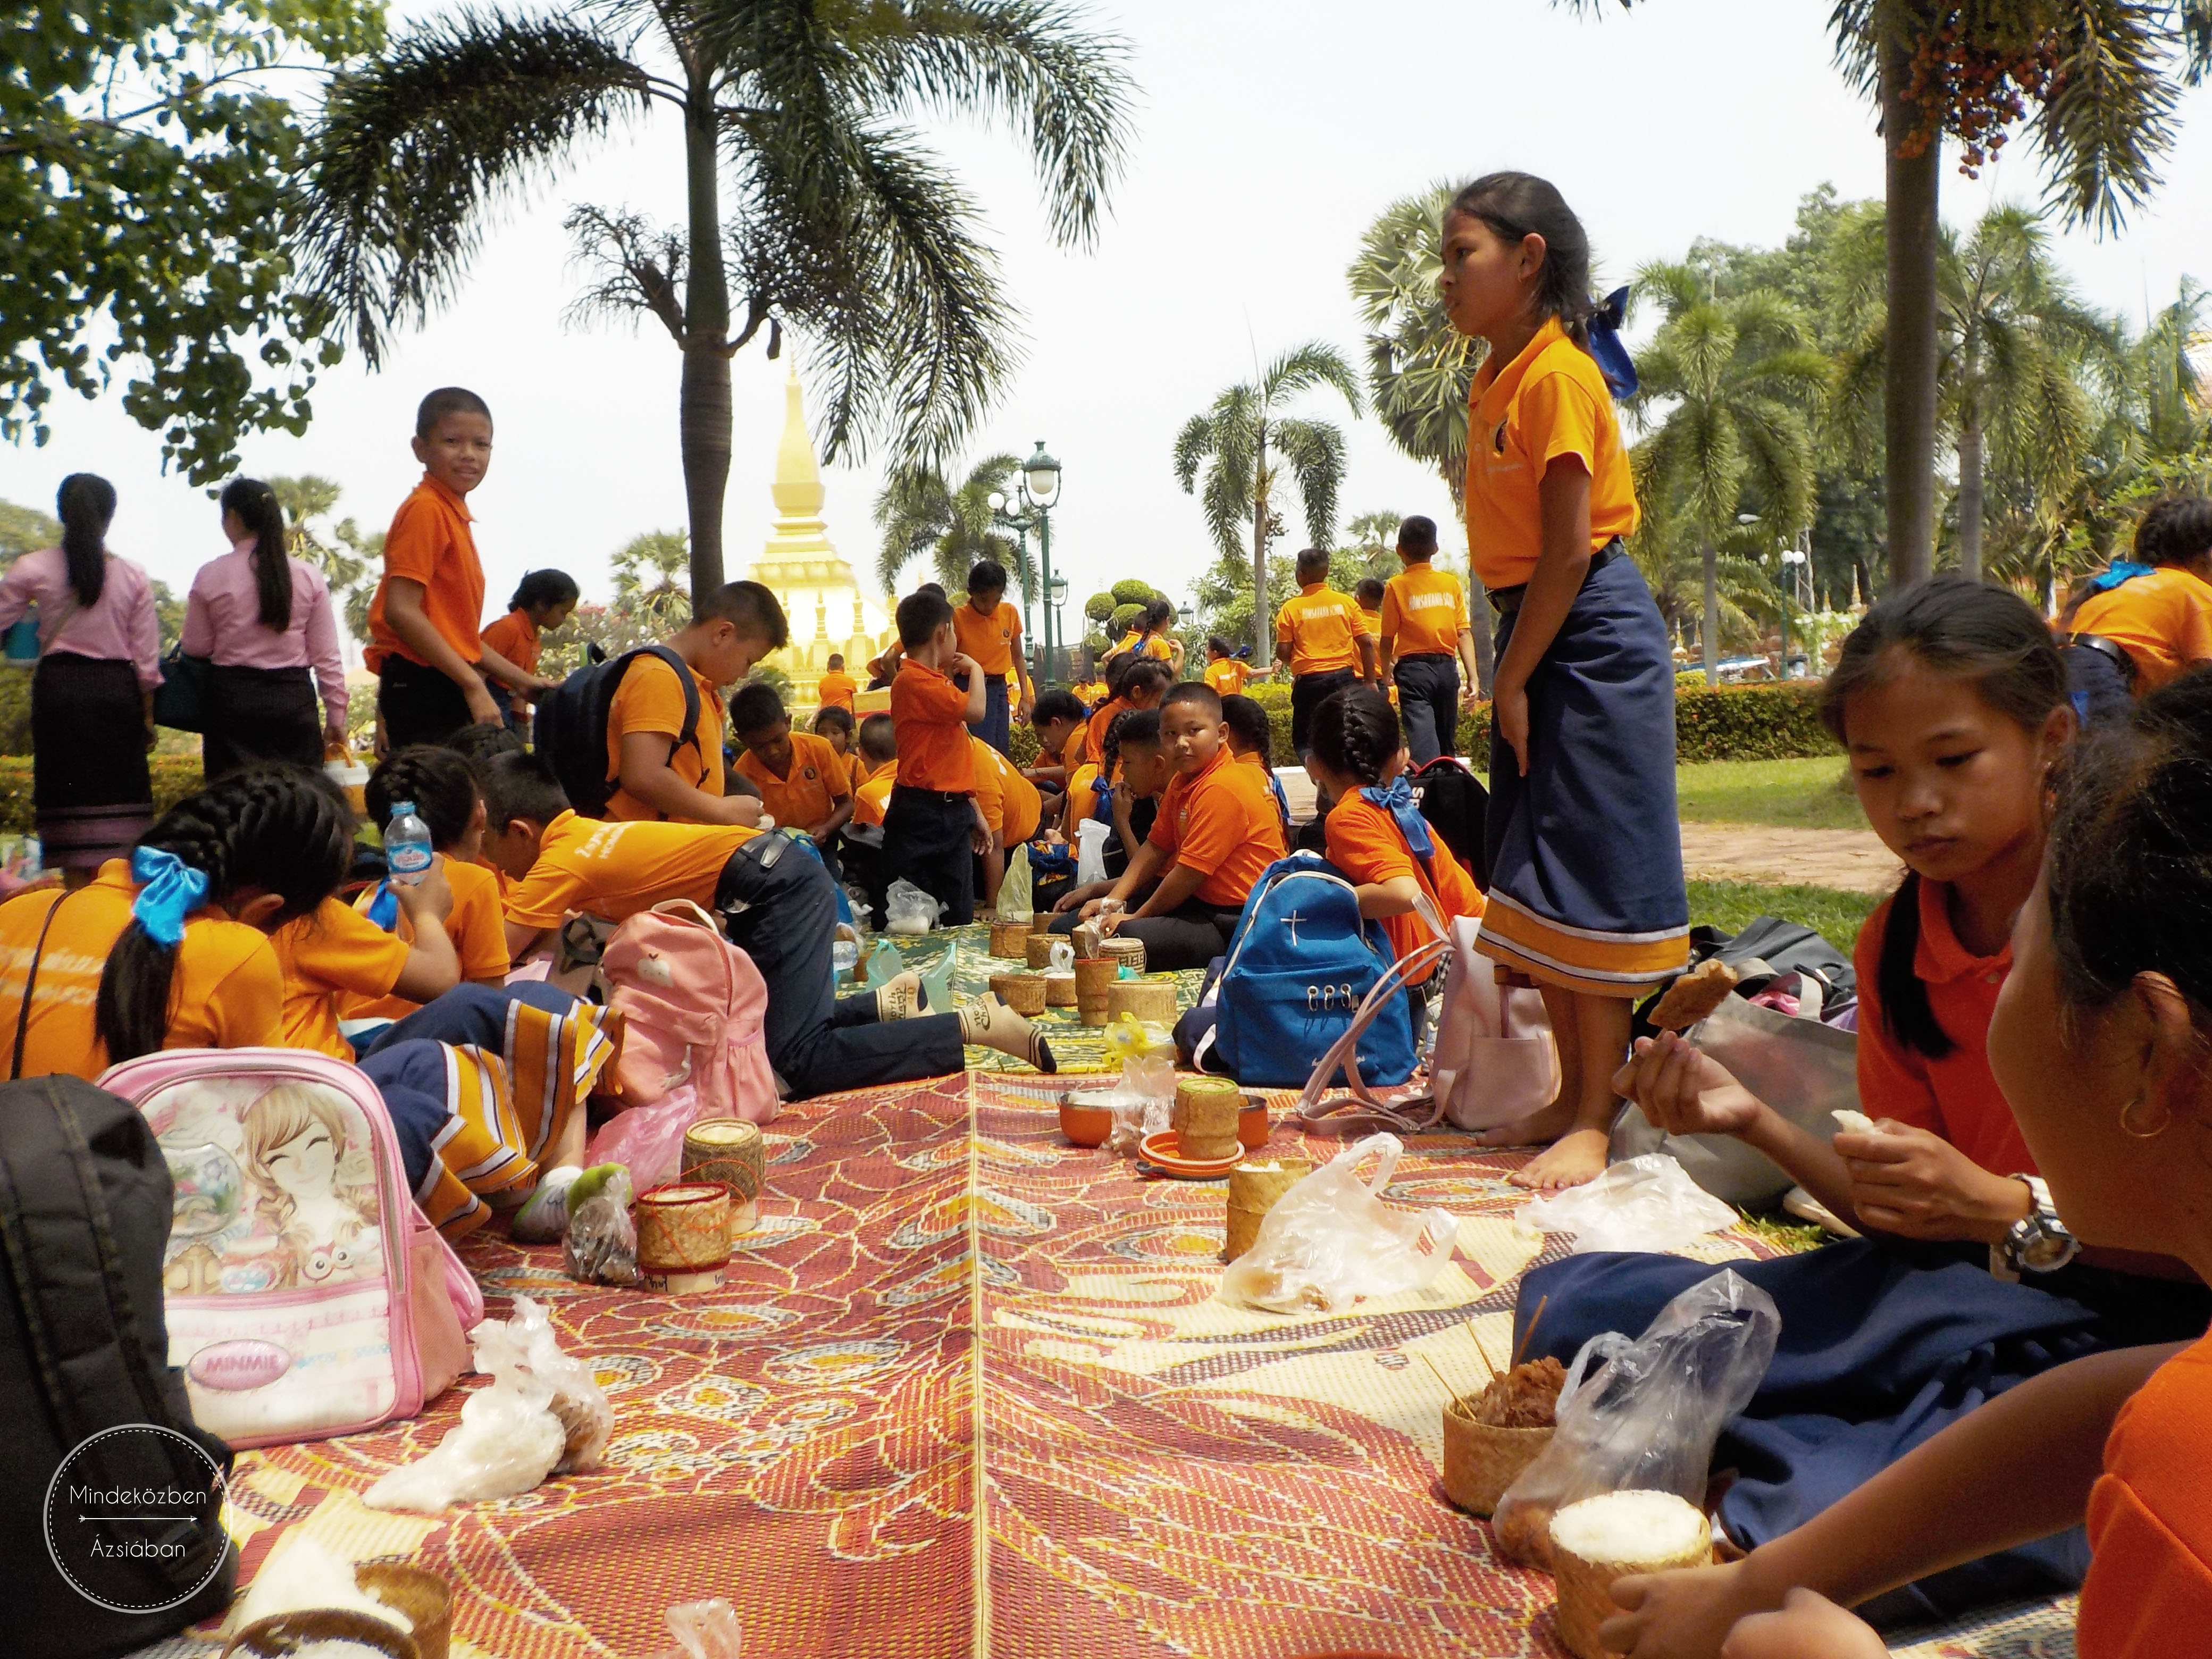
411,859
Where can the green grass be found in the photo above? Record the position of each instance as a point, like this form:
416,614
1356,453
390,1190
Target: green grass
1799,795
1731,905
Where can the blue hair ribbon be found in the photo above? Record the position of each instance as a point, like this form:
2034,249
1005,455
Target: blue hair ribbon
2122,570
384,908
1605,344
170,889
1396,798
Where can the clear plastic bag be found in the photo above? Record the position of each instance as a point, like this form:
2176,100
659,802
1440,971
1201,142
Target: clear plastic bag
1331,1240
1647,1203
526,1340
1143,1101
600,1247
649,1141
1090,851
1015,889
907,909
507,1442
703,1630
1642,1416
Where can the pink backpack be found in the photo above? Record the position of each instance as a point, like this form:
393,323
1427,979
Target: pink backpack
307,1295
692,1004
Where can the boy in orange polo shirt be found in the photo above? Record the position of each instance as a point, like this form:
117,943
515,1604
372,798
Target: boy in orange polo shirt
804,782
1011,806
1424,641
662,772
990,632
1059,721
424,643
1215,834
1321,637
836,688
933,823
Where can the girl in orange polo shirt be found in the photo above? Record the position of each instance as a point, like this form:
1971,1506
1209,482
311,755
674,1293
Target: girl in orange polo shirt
2136,625
2097,1040
1586,891
543,600
1950,701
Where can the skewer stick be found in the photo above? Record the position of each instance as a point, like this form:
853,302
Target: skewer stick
1530,1335
1451,1393
1481,1350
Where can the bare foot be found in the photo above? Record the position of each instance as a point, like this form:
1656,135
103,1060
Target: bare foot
1537,1129
1575,1158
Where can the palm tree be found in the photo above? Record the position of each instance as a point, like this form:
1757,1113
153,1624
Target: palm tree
1727,387
1419,367
350,562
1243,444
805,191
649,572
923,515
2100,78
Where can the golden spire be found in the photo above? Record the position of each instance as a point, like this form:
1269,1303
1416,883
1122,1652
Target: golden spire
798,487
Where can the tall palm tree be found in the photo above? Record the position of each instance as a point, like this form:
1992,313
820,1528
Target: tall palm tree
923,515
1728,389
350,562
1244,444
2095,81
805,191
649,579
1419,368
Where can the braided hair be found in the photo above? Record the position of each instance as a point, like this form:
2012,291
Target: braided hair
256,505
1355,733
1248,723
86,506
437,779
1138,726
281,830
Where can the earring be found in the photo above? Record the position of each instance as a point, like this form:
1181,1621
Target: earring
2128,1126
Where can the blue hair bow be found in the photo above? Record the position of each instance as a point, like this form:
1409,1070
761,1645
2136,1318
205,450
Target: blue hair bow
1396,798
1605,344
170,889
2122,570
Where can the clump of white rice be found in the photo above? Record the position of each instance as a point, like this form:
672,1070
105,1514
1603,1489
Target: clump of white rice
1857,1123
1627,1528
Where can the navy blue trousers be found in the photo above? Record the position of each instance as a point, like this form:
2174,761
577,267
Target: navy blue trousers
997,726
1428,703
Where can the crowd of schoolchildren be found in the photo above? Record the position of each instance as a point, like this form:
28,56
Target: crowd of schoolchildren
1994,1361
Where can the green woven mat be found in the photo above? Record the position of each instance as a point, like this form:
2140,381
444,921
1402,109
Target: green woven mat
1075,1046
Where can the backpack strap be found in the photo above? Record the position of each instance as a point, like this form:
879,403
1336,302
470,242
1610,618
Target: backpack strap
30,984
1319,1114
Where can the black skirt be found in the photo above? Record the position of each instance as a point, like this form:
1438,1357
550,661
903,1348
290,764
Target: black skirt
93,795
259,714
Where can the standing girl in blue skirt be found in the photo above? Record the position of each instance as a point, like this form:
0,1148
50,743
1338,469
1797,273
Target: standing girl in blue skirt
1586,893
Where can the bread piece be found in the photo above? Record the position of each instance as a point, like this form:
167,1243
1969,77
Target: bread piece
1694,995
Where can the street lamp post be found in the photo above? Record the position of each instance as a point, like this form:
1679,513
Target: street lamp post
1039,486
1792,558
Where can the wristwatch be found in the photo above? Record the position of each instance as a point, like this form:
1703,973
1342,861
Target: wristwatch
2039,1242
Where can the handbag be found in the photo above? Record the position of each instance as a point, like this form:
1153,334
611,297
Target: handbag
180,700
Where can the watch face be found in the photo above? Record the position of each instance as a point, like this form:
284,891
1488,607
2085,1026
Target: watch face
2044,1251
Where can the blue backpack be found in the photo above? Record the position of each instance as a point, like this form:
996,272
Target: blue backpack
1302,961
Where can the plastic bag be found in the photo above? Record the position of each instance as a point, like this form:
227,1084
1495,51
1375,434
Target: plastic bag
1642,1416
907,909
1648,1203
507,1442
577,1403
600,1247
1331,1240
702,1629
1015,889
1142,1101
649,1141
884,964
1090,851
1130,1038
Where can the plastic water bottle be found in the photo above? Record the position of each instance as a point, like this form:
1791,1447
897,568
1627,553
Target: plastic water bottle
407,845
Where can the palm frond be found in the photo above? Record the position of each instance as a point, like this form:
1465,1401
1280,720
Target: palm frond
1309,367
1313,451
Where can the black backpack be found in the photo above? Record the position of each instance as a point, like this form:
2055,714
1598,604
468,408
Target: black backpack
85,1211
1454,801
570,728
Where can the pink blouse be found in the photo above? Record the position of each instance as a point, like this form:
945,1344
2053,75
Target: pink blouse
222,621
121,627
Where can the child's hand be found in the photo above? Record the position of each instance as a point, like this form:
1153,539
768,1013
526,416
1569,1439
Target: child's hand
1684,1090
1809,1626
1681,1615
432,895
743,810
1908,1182
1508,717
484,709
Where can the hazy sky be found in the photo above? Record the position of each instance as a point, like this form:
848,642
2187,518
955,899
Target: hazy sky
1267,136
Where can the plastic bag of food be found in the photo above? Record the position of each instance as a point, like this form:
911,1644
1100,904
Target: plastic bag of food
907,909
507,1442
702,1629
1090,851
600,1247
526,1340
1014,889
1130,1038
1142,1101
1647,1203
1642,1416
1331,1239
649,1141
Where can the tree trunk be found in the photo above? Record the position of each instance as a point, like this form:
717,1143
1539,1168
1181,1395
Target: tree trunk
1969,495
703,417
1263,631
1712,631
1478,599
1909,375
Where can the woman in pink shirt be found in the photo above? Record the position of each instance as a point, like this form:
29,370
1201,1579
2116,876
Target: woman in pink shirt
92,696
264,619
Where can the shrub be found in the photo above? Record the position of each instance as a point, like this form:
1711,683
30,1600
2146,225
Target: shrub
1123,619
1098,607
175,776
15,711
1132,591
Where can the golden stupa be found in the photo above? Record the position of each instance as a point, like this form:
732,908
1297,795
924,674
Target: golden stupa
829,610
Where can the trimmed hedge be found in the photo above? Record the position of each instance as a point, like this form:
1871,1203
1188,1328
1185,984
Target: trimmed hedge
175,776
1712,723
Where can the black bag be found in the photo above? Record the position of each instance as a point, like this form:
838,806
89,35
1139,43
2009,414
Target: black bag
1767,948
1454,801
85,1210
570,729
180,700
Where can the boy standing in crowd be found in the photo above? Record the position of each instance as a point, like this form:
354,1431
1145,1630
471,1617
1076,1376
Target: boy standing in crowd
1426,639
933,824
1319,636
989,631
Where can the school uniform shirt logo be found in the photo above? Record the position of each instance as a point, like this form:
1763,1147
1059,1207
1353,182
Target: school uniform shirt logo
809,774
1498,438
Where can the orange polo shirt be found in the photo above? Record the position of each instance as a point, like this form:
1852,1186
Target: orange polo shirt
1549,401
616,870
2163,621
810,792
331,957
430,542
1081,796
1321,626
872,799
993,640
1956,1096
1226,675
1075,748
651,699
1424,612
1010,801
477,927
1094,734
514,636
2148,1594
929,719
836,690
225,993
1221,822
1366,842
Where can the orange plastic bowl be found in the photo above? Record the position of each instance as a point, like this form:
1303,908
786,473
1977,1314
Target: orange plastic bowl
1084,1122
1253,1127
